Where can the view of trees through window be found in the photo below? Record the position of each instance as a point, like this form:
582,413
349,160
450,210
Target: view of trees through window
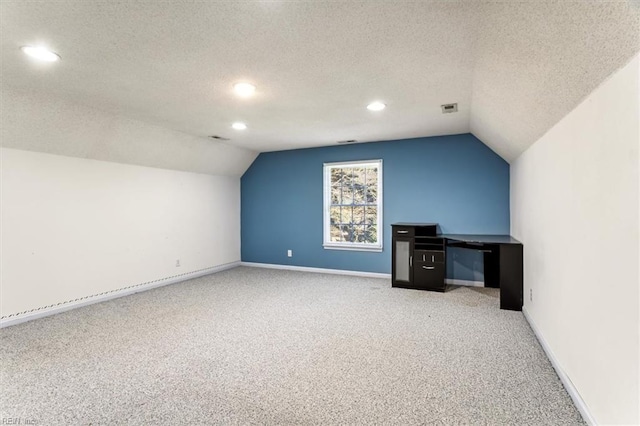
354,204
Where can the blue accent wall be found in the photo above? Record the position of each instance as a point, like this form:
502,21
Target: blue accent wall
456,181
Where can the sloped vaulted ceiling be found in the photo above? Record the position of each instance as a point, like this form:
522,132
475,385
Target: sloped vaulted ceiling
514,68
536,61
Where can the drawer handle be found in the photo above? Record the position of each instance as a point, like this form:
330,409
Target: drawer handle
402,232
428,267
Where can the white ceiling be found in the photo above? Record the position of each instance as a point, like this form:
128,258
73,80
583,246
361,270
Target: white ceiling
514,68
536,61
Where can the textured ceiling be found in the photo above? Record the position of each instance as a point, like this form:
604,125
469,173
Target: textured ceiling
536,61
515,68
36,121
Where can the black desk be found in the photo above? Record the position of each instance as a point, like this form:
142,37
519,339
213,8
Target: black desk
502,264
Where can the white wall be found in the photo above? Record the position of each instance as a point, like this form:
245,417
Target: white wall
574,205
75,227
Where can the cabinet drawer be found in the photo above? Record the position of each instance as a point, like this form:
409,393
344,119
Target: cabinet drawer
428,256
429,277
403,231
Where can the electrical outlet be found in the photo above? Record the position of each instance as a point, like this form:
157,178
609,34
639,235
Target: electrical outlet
177,263
530,295
289,253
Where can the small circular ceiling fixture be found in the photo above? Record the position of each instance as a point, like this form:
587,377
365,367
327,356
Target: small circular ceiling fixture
244,90
376,106
239,126
40,53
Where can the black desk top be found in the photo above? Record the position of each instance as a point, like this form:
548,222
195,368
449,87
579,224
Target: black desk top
486,239
413,224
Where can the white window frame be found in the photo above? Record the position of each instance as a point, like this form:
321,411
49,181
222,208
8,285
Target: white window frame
333,245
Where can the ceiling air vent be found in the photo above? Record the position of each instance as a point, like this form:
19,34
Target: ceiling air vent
220,138
449,108
348,141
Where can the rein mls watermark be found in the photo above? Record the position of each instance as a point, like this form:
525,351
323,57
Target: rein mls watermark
18,421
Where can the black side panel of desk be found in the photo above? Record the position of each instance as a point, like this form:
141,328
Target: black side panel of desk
510,271
491,266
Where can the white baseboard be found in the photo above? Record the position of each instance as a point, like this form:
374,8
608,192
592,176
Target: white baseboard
568,385
113,294
347,272
316,270
137,288
467,283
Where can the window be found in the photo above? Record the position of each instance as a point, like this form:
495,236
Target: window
353,205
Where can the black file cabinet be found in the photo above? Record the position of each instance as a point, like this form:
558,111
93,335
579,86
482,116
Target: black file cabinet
418,257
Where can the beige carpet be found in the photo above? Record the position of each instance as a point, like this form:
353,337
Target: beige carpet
258,346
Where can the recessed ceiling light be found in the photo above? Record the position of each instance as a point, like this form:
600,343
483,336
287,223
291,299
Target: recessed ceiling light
239,126
40,53
376,106
244,89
